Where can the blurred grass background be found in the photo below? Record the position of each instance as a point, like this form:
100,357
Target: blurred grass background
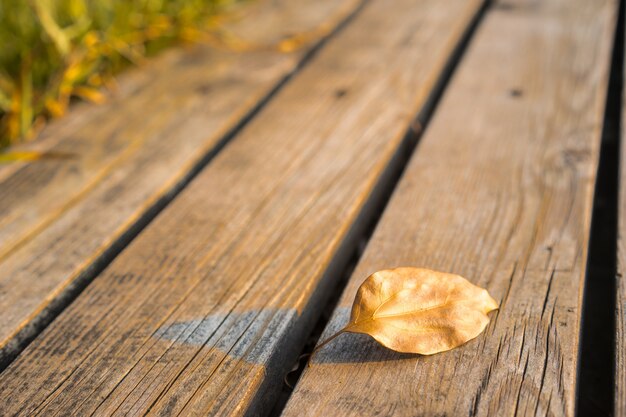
54,50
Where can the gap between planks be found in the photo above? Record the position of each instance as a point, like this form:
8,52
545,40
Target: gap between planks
620,277
380,201
597,393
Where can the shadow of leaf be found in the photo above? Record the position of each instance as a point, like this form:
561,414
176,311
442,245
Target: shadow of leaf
354,347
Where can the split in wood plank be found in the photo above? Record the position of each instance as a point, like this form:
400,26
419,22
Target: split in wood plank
205,310
62,220
500,191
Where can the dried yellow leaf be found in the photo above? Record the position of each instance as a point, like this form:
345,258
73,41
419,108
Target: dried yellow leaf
416,310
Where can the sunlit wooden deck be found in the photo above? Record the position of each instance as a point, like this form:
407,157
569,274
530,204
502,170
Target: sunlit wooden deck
220,210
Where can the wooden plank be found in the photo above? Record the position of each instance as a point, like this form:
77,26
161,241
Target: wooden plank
207,308
499,191
61,220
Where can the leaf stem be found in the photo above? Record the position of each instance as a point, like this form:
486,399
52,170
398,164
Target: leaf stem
325,342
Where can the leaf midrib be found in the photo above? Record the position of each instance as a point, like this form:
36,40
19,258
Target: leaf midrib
407,313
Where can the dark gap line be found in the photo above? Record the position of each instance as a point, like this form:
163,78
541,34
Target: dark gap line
596,378
346,258
29,332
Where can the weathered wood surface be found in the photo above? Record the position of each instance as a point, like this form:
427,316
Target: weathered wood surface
61,219
499,191
207,308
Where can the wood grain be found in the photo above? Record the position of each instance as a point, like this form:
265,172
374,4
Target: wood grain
60,220
500,191
206,310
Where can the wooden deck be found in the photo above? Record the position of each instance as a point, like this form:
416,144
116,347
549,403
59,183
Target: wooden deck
195,242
